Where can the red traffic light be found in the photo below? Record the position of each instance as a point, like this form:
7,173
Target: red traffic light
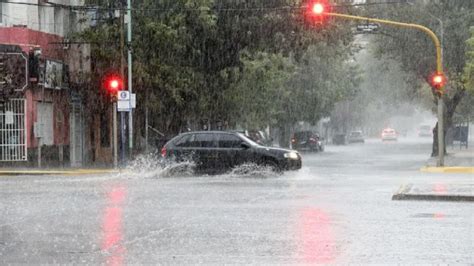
113,84
316,11
438,80
317,8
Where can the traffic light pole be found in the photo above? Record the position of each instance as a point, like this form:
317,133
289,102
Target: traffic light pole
439,69
115,139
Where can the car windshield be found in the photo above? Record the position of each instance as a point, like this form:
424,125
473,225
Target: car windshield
236,132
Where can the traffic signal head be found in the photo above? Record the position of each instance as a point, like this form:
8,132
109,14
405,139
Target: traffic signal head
316,10
113,84
438,80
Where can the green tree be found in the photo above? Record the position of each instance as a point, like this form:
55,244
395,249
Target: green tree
415,51
212,60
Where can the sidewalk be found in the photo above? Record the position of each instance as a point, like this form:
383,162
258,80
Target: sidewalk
65,171
458,161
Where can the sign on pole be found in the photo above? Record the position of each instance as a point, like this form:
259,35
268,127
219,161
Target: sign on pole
368,27
126,101
123,101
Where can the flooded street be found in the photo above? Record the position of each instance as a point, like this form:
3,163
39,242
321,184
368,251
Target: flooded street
337,209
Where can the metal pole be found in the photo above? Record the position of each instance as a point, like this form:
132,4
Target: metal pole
439,68
39,152
440,162
146,129
129,43
122,74
122,135
441,137
115,145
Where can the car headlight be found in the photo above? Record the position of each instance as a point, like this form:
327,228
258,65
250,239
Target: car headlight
291,155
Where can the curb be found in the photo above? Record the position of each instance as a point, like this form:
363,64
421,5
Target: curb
432,197
58,172
403,194
453,169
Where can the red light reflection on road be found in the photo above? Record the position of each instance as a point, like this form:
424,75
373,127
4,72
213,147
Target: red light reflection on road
317,243
440,189
112,233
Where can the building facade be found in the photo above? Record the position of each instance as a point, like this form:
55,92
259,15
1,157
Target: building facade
41,121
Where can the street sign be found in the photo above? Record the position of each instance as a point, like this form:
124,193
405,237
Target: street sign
123,96
126,101
368,27
123,106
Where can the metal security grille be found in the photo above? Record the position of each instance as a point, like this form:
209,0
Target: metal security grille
13,131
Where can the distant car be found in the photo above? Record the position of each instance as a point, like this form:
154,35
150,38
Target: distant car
425,131
219,151
389,134
355,136
339,139
307,140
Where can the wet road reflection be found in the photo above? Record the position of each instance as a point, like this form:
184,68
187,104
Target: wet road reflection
316,237
112,226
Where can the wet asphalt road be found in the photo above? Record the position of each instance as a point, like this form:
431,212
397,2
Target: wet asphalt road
336,210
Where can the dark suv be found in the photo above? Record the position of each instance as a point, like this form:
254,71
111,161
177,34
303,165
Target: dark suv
218,151
306,140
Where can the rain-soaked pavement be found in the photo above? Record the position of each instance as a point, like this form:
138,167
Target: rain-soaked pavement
336,210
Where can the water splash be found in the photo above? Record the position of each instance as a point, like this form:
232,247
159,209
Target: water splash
153,166
253,170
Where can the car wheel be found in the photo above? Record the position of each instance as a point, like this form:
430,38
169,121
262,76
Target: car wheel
273,166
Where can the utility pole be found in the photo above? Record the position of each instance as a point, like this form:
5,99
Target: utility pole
129,48
122,73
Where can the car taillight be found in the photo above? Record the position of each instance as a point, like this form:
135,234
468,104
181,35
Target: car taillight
163,152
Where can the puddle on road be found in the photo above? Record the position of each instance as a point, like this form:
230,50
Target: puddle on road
431,215
151,166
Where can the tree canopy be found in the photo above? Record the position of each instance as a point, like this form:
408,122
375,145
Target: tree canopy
249,63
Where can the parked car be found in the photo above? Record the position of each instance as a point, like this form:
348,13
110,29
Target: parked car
425,131
356,136
307,140
389,134
339,139
219,151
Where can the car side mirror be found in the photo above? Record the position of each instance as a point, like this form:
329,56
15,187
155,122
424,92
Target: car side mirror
244,145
